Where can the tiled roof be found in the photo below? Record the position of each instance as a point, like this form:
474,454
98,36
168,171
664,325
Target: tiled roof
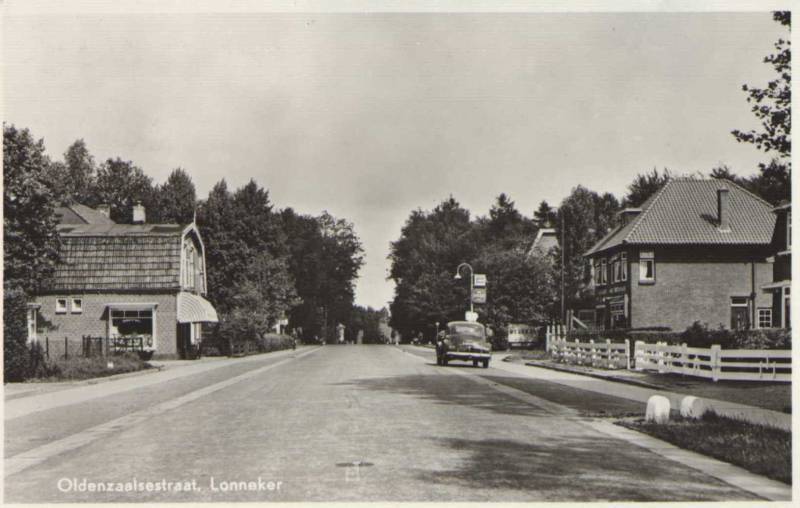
684,212
80,214
108,257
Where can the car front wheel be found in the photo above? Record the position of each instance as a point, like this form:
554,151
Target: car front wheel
486,364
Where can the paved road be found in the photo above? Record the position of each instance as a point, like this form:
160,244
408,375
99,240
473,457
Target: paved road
342,423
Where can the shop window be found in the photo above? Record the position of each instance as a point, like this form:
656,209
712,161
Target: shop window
132,323
617,314
765,318
61,305
77,306
647,267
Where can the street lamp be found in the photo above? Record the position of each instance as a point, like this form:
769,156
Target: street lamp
471,281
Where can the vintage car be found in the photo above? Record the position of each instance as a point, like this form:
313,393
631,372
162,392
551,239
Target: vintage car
465,341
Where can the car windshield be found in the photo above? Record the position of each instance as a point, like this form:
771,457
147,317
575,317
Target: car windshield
467,330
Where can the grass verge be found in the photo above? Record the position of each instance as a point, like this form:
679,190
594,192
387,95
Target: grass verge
79,368
759,449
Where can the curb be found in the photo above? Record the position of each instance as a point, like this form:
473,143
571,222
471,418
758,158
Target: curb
615,379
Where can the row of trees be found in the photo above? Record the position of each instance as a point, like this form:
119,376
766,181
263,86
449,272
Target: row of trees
523,287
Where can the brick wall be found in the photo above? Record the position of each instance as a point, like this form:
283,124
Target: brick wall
94,320
696,284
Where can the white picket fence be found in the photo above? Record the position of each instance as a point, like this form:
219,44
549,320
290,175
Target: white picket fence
715,363
606,355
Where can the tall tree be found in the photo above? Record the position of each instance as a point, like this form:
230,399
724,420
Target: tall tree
30,241
175,200
644,186
545,215
772,105
121,184
586,217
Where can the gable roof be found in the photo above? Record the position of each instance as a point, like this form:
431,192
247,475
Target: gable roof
77,213
119,257
544,241
684,212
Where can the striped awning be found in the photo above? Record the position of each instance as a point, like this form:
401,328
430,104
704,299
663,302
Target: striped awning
195,309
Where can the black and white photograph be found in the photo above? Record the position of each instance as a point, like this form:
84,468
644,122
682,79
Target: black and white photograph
396,252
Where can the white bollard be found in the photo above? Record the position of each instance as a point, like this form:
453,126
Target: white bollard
693,407
657,409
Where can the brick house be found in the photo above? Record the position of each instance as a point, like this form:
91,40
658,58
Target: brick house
781,285
697,250
125,280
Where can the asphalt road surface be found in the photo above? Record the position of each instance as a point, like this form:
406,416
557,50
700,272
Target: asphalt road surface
341,423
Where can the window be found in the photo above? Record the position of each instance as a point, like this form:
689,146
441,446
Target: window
788,230
739,313
598,278
77,305
647,266
614,269
623,266
617,314
128,323
765,318
603,271
61,306
787,306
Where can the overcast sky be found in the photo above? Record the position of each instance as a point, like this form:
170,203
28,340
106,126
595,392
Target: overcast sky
369,116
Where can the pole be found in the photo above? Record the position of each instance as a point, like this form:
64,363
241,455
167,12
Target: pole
471,290
563,279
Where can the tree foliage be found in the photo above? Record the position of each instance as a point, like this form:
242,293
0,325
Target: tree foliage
175,201
772,104
121,184
644,186
30,241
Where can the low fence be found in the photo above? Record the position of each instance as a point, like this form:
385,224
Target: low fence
90,346
553,333
606,355
715,363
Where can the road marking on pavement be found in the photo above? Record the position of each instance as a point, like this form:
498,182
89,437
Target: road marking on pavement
30,458
17,408
728,473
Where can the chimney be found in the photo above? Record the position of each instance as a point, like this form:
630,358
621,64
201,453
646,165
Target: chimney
723,210
138,213
105,209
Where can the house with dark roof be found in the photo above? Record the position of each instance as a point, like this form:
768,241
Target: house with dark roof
130,283
697,250
780,286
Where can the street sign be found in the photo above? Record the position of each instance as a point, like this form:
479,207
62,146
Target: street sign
478,295
479,280
471,316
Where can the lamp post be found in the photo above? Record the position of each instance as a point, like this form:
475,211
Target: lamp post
471,282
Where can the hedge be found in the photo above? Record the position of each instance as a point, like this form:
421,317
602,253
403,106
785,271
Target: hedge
697,335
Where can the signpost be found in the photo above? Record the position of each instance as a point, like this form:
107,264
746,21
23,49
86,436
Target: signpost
478,295
479,280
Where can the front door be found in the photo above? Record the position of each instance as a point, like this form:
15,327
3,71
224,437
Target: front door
185,341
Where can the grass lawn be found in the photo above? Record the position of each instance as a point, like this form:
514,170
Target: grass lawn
78,368
759,449
767,395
